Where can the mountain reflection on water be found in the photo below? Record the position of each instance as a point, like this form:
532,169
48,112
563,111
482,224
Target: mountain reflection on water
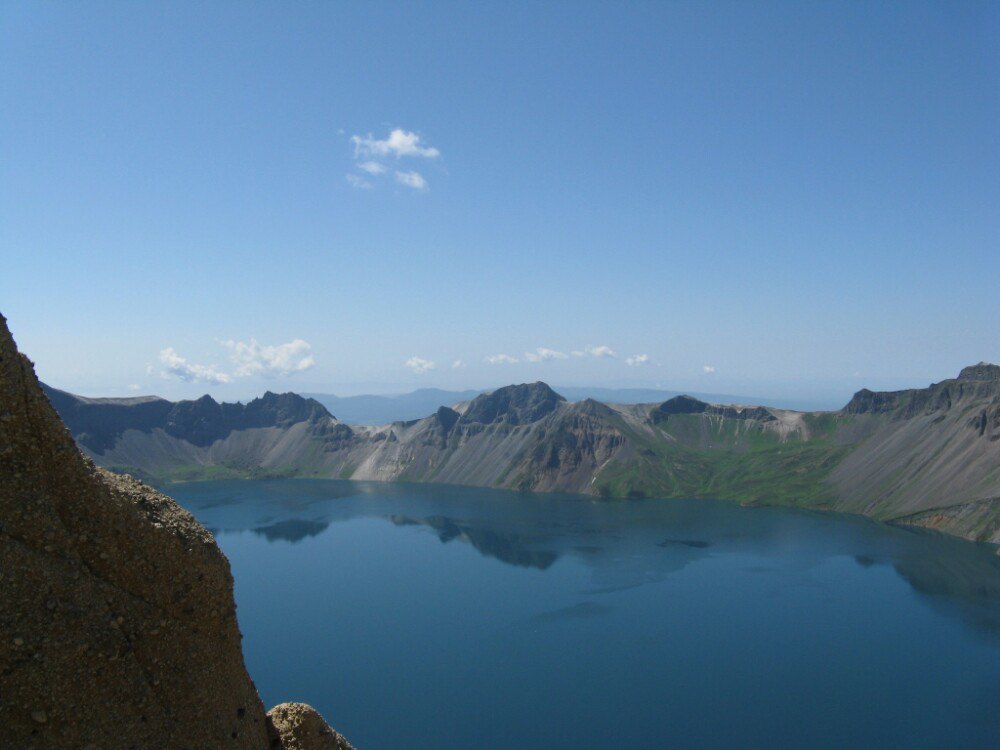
628,544
509,547
292,530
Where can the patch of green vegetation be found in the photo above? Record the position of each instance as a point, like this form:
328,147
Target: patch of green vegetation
822,423
726,459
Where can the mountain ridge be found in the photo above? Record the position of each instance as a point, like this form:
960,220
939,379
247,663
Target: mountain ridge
98,422
403,407
907,456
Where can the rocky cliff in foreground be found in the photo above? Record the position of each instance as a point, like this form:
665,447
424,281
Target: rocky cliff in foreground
117,621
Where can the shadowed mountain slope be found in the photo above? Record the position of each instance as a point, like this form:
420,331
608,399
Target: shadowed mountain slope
97,423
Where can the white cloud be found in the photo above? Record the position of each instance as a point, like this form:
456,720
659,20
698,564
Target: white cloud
457,364
357,181
399,143
708,369
249,358
372,167
252,358
177,366
501,359
411,179
541,354
419,365
134,387
597,351
637,360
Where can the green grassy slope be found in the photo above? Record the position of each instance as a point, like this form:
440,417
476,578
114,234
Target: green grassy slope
729,460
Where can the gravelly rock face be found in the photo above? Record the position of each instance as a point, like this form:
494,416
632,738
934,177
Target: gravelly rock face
117,621
296,726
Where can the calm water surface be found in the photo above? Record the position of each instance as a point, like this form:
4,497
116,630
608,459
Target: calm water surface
421,617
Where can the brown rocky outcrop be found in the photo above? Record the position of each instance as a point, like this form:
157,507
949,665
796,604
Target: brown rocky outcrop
117,621
296,726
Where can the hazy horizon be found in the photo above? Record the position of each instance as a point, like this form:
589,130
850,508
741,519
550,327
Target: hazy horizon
806,396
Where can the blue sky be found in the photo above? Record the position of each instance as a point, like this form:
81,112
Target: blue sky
767,198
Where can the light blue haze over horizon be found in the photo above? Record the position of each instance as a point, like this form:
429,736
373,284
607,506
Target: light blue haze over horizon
766,198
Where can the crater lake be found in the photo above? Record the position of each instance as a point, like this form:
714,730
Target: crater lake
422,616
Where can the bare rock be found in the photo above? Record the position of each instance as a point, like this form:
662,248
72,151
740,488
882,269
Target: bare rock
296,726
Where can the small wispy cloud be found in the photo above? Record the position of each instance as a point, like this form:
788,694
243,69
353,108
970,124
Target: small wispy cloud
281,360
708,369
637,360
457,364
399,143
542,354
595,351
249,358
358,182
134,387
419,365
177,366
501,359
371,154
411,179
372,167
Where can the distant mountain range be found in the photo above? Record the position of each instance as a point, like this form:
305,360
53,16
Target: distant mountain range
926,456
374,410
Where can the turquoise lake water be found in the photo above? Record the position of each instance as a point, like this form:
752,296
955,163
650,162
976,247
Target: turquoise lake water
418,617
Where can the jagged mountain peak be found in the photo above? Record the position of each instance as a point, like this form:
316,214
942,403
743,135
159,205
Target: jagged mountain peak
98,423
981,381
678,405
593,407
446,417
979,372
514,404
288,407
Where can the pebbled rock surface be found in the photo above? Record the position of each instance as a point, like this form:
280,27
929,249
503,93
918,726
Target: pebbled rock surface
117,621
297,726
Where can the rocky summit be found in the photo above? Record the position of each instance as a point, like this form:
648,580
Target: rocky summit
513,404
117,621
